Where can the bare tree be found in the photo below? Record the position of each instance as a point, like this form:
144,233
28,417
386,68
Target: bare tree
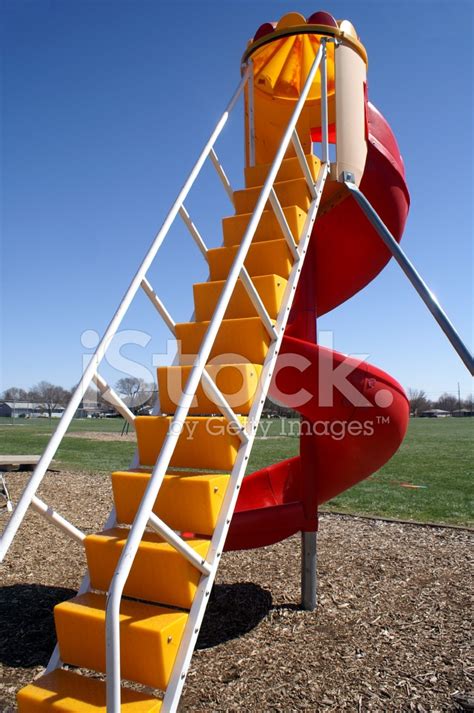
49,397
14,394
419,401
468,402
136,391
447,402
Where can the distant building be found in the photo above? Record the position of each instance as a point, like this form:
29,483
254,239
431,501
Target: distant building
460,412
435,413
26,409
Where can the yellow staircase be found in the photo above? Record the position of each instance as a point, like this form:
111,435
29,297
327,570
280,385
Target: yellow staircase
162,584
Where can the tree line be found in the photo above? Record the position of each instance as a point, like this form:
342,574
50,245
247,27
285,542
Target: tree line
49,397
139,394
420,402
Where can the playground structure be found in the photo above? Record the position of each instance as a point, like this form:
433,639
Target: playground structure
307,234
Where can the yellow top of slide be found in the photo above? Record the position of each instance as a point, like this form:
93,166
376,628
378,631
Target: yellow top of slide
283,52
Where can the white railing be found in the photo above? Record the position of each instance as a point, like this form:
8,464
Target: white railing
144,516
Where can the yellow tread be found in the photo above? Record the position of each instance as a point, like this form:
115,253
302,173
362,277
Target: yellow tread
292,192
269,257
205,443
67,692
149,636
290,168
238,340
159,573
187,501
234,226
271,289
238,383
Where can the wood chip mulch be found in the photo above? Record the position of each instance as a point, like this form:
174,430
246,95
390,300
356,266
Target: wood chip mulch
392,632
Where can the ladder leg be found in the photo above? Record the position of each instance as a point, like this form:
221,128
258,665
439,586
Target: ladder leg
309,575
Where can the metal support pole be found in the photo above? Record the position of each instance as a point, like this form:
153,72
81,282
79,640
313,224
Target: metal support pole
410,271
309,574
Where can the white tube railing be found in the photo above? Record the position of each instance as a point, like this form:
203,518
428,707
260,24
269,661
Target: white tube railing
159,306
145,508
56,519
91,369
113,398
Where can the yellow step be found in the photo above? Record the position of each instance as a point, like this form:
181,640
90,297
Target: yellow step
270,288
67,692
290,168
268,228
293,192
237,382
271,257
238,340
187,501
159,573
149,637
205,443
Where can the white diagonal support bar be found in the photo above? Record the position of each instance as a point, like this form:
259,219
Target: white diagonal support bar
222,404
56,519
283,223
257,303
178,543
428,297
222,175
196,235
158,304
113,398
303,163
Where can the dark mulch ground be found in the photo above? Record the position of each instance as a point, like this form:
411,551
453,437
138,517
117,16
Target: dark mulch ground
392,630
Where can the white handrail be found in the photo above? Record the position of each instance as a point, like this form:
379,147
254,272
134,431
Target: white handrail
53,445
145,508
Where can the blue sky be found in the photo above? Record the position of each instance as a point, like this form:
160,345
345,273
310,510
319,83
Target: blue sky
106,105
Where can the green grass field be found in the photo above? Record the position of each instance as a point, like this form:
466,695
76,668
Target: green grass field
437,454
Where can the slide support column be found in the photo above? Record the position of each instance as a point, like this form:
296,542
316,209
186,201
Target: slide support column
309,573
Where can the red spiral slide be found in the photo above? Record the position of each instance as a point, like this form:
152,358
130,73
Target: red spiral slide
354,416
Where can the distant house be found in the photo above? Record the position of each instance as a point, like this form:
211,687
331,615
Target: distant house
460,412
435,413
5,410
26,409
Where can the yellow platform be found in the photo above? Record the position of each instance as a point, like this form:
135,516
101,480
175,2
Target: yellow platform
237,382
144,628
159,573
186,501
67,692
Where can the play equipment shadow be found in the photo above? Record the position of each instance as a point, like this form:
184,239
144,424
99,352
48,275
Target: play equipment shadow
233,610
27,634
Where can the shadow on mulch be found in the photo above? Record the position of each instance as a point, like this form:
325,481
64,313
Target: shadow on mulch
27,624
234,610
